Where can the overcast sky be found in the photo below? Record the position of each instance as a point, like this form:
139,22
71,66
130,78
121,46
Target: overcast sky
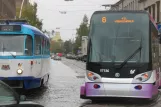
48,10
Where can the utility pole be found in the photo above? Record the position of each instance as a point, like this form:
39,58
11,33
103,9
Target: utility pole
21,9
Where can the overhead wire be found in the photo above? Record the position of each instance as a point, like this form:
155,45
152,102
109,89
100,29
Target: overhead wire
68,10
77,11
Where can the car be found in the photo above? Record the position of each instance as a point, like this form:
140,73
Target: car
52,56
10,98
57,57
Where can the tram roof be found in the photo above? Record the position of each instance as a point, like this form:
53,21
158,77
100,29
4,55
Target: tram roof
35,30
120,11
24,24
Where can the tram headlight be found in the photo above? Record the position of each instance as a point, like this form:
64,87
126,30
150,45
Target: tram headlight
143,77
19,71
93,76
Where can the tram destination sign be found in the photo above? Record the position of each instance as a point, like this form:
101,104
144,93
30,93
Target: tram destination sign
10,28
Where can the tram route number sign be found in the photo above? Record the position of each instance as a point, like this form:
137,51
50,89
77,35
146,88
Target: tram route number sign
104,20
10,28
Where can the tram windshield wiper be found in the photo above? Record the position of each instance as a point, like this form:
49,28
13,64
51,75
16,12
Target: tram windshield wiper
131,56
14,56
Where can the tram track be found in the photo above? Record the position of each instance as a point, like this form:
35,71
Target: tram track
80,71
75,64
130,102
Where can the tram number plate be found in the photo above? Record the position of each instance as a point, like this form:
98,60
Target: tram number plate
5,67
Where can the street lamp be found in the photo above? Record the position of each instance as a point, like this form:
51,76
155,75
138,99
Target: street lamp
21,8
63,12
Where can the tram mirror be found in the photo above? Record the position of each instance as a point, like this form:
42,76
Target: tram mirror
26,51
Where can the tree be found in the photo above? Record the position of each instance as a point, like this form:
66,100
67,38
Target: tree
85,19
83,30
67,46
56,46
30,14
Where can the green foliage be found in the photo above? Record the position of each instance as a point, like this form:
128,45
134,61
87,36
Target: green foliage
67,46
56,46
83,30
30,14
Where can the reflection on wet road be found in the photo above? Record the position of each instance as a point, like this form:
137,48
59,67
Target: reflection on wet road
66,77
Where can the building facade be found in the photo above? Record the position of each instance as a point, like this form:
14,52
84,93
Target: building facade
152,6
7,9
57,37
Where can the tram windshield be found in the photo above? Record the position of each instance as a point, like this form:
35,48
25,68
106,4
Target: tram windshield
116,36
11,45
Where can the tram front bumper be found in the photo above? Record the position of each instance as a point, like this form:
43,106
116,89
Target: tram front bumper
118,90
22,82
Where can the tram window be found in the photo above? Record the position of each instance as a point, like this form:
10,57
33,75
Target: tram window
29,45
44,46
47,47
37,45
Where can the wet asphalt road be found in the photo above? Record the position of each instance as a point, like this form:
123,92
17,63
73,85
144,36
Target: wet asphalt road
63,89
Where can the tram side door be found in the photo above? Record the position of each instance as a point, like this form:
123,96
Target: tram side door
43,54
38,54
43,48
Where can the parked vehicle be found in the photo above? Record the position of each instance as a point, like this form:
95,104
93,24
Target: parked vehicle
79,57
59,54
69,56
84,48
52,56
57,57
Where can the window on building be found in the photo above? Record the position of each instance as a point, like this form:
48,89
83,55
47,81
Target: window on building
136,4
37,45
28,46
146,9
158,11
149,9
153,6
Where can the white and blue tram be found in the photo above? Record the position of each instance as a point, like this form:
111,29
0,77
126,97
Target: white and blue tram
24,55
